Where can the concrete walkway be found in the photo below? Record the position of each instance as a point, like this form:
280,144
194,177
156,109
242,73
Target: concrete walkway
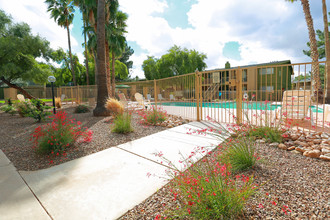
103,185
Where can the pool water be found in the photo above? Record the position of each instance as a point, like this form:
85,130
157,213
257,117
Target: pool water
232,105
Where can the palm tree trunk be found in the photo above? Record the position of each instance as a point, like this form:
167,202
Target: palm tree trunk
327,51
86,56
102,89
72,66
95,61
316,81
107,59
113,84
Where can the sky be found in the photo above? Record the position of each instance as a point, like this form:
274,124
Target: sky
242,32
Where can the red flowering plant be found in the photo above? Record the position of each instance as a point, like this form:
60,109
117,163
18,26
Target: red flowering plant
207,189
62,133
154,116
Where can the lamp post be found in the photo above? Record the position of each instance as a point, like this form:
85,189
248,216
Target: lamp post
52,79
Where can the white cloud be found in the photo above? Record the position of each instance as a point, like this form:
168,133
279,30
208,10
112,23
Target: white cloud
267,30
35,14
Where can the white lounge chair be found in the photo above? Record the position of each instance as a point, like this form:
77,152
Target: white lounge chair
172,97
149,97
160,97
144,104
21,98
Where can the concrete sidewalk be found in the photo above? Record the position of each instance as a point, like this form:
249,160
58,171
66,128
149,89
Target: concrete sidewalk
103,185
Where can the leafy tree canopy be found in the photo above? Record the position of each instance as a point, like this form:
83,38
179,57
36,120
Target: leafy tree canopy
176,62
18,52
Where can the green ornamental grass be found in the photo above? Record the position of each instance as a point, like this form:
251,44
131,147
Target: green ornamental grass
122,124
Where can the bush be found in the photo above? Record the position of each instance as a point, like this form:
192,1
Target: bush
113,105
153,116
62,133
58,102
240,154
207,190
8,109
23,108
271,134
122,124
81,109
38,110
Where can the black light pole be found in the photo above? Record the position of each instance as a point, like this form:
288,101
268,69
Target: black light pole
52,79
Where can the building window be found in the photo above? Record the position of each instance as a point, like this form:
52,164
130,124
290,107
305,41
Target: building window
244,75
267,71
267,88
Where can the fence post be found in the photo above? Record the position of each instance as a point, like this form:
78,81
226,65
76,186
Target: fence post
155,93
239,96
197,94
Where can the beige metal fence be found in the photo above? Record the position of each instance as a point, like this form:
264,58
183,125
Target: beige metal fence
256,94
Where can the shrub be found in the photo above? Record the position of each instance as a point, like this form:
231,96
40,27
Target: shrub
23,108
240,154
271,134
81,109
62,133
153,116
207,190
114,106
122,124
38,110
58,102
8,109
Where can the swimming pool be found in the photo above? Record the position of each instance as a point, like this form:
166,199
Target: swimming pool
232,105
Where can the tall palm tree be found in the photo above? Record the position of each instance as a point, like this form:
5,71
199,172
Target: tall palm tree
102,89
327,50
316,81
62,12
117,41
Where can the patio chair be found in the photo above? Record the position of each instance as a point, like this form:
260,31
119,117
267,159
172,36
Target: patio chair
123,100
295,105
21,98
149,97
172,97
62,98
160,97
141,102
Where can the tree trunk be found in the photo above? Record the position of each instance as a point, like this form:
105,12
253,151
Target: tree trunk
95,61
316,82
102,89
107,59
24,92
86,56
327,52
113,79
72,66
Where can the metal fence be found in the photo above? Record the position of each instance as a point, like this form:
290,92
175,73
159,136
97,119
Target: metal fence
249,94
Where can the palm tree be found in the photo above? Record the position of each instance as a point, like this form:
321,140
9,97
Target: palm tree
62,12
316,82
102,89
327,50
117,41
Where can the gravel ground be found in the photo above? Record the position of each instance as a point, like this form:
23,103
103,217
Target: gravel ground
15,134
285,178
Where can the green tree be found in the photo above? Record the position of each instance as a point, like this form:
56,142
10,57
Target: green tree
102,89
121,70
116,29
18,52
128,51
176,62
63,12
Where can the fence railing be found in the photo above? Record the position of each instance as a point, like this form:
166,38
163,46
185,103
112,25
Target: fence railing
251,94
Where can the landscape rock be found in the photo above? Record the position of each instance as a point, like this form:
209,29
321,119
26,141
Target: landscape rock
325,157
260,141
324,136
291,148
312,154
317,141
301,149
274,144
282,146
325,151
